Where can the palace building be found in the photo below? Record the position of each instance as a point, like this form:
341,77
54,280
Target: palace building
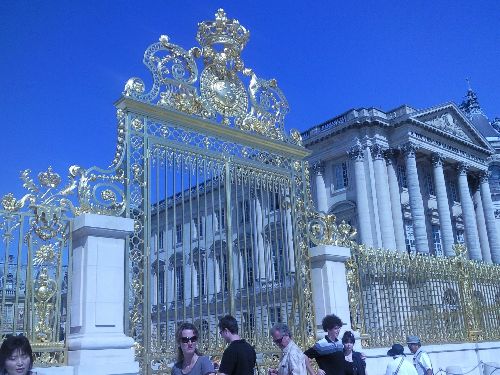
409,179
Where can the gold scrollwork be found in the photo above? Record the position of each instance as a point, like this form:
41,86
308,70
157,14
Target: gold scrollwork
324,230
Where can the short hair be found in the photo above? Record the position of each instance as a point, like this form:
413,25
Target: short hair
331,321
229,322
282,328
12,344
348,337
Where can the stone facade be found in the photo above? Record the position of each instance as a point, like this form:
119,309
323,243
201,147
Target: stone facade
409,180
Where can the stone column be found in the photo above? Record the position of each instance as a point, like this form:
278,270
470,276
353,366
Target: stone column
443,205
329,284
321,195
362,205
416,202
383,199
489,216
397,214
97,344
289,235
260,259
481,227
468,213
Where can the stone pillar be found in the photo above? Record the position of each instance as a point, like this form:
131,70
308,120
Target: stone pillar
443,205
372,193
416,202
321,196
489,216
397,214
383,199
362,205
481,227
468,213
289,236
260,259
329,285
97,343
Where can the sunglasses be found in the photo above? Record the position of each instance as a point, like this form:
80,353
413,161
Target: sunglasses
278,341
185,340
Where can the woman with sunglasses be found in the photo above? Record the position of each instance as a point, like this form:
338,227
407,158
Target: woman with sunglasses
16,356
189,359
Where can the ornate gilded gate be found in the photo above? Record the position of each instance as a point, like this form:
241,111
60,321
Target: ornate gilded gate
220,198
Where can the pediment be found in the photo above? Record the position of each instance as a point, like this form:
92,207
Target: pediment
449,120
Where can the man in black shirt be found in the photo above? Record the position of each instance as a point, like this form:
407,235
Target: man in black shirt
239,357
328,352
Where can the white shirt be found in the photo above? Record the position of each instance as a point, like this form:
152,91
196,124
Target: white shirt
406,367
421,361
293,361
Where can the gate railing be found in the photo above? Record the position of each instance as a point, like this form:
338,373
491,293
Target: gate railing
219,192
36,253
442,300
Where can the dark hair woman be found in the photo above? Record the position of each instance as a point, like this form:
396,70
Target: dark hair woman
354,363
189,359
16,356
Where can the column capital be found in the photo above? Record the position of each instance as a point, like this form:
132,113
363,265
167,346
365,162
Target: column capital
377,152
437,159
484,176
390,155
318,167
356,153
462,168
409,149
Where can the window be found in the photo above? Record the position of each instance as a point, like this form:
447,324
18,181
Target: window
249,267
460,238
452,190
161,286
277,255
340,176
160,240
224,276
276,203
200,230
429,182
401,172
179,282
178,233
201,266
244,213
436,237
275,315
410,238
8,314
221,218
249,323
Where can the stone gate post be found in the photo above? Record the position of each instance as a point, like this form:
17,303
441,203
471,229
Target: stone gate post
97,343
329,285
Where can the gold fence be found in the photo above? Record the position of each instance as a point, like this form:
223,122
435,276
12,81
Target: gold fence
394,294
36,253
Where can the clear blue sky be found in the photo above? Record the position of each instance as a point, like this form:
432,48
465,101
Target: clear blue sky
64,63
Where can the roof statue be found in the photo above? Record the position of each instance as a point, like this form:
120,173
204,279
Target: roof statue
218,93
471,108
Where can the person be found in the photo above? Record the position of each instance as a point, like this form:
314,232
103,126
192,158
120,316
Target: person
421,359
239,358
16,356
189,359
399,366
328,352
293,361
354,363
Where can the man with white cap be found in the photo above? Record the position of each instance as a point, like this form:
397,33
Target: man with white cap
399,366
421,359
